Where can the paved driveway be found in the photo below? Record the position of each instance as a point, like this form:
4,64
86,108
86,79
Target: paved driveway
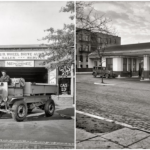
56,131
126,100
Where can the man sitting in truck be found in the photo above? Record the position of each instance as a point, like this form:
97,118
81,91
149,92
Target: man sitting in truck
5,77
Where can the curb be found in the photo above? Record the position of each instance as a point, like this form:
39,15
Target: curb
104,84
83,73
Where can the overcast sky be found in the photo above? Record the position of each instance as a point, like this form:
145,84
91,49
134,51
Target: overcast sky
130,19
25,22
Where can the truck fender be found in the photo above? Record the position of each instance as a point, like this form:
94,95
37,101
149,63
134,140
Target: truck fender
13,100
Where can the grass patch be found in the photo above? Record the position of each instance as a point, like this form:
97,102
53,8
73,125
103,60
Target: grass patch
95,125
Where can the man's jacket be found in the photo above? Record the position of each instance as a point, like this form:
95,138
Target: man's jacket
5,79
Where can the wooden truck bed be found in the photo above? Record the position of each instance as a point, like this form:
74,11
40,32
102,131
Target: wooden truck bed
39,88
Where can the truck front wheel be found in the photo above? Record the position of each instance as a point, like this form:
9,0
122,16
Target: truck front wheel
49,108
19,109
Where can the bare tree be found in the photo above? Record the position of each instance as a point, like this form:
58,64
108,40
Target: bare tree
87,18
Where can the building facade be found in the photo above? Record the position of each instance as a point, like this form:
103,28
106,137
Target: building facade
23,61
86,42
126,60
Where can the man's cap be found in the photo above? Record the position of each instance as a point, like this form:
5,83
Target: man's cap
3,71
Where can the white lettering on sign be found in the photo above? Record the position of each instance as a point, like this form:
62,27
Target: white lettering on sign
19,63
22,55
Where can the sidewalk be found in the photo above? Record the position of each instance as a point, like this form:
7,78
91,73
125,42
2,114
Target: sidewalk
119,139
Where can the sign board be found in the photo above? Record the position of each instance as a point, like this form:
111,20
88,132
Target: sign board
22,55
64,86
19,63
64,70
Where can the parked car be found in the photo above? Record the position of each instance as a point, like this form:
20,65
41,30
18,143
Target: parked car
103,71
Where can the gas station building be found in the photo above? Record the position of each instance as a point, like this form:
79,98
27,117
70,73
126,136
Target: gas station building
125,60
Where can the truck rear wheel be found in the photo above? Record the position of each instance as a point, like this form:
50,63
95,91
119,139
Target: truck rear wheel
19,109
49,108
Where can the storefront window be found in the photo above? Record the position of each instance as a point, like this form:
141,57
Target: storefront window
125,64
109,63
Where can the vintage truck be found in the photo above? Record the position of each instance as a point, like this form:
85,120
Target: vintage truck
20,98
103,72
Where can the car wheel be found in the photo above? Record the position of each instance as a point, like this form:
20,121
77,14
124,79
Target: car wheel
19,111
49,108
107,76
94,75
1,114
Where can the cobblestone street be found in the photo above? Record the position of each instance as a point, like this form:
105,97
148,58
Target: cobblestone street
127,100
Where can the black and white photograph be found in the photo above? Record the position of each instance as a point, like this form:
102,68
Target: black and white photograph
37,81
112,75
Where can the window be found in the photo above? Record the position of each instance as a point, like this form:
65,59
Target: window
81,48
86,58
86,66
99,40
86,38
80,66
80,37
87,48
125,64
110,41
99,47
81,58
134,65
109,63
